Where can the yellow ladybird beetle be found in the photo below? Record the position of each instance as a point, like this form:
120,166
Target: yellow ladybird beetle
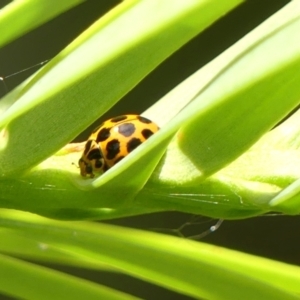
112,141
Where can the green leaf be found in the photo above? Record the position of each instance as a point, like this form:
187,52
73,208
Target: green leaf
19,17
185,266
16,245
28,281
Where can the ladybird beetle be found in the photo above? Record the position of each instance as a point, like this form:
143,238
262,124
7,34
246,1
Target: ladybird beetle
112,141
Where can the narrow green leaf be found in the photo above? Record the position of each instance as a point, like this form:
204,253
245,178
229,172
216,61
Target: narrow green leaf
16,245
19,16
288,200
28,281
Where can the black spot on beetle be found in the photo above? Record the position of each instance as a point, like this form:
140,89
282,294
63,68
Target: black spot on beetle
146,133
103,135
132,144
118,119
144,120
88,169
126,129
98,163
87,147
94,154
112,148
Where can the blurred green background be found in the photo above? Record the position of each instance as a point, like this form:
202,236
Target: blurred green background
275,237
